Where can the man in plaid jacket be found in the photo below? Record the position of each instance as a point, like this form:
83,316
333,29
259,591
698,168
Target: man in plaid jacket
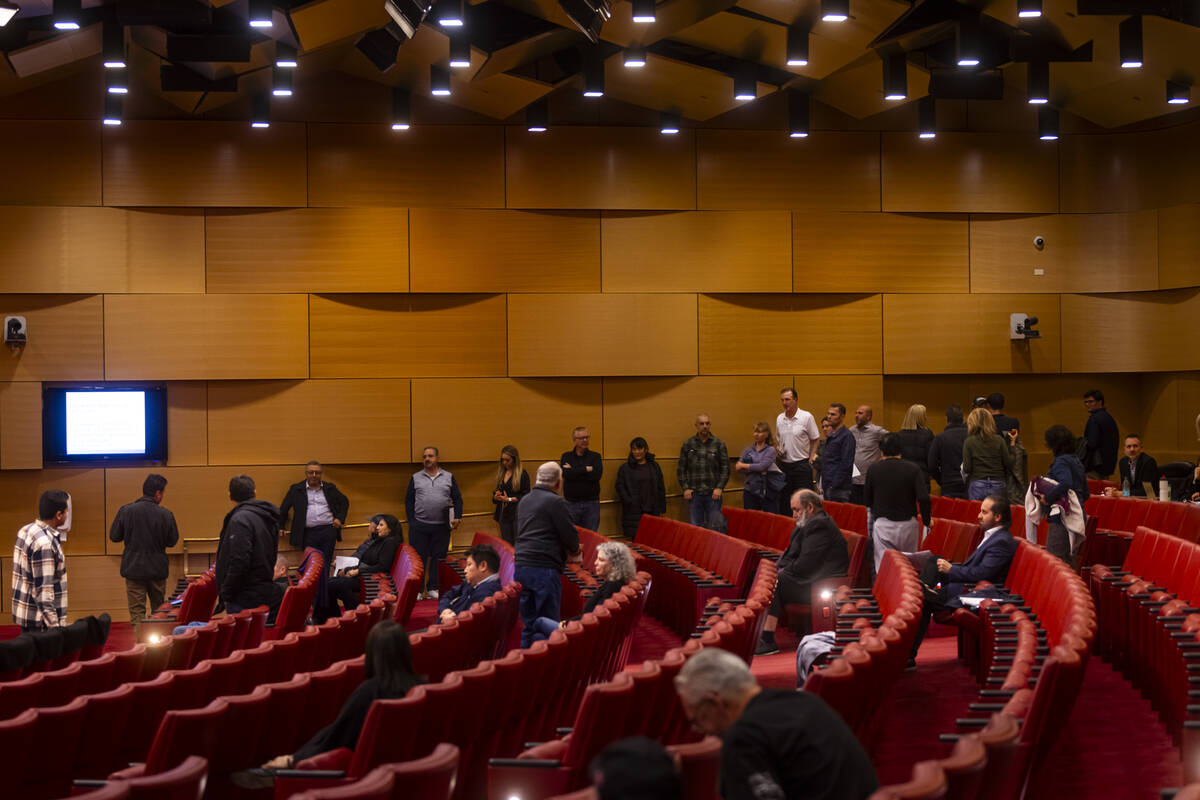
39,577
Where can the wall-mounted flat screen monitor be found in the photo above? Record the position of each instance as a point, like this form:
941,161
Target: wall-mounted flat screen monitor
104,424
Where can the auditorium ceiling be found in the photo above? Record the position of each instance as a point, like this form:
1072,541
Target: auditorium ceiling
200,58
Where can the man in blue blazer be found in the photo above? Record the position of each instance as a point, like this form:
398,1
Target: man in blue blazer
481,568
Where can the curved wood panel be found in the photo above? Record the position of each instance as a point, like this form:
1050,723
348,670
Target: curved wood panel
619,168
1108,172
446,414
364,420
1179,246
198,163
601,334
58,163
714,251
833,252
1130,332
20,490
62,249
845,332
372,165
205,337
968,334
401,336
815,393
828,171
21,425
1082,252
66,338
981,172
479,250
307,250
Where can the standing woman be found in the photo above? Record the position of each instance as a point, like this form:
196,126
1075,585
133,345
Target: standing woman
512,483
761,491
916,438
1067,470
987,456
640,486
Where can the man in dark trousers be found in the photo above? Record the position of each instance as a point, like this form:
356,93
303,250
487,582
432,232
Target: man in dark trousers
945,456
1137,467
546,538
481,568
1102,437
817,550
147,530
837,464
777,743
320,512
246,555
581,471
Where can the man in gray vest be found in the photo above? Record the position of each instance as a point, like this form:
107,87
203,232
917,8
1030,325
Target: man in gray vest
434,508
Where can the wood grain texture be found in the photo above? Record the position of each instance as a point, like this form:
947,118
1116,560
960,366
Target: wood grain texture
834,171
81,249
438,165
976,172
833,252
362,420
483,250
445,413
1188,387
58,163
66,338
969,333
715,251
737,329
400,336
815,393
1108,172
1136,332
187,423
200,163
601,334
21,425
205,337
20,490
617,168
1082,252
1179,246
307,250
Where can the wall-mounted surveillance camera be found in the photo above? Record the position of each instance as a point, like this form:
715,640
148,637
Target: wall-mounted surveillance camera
1020,327
1039,242
15,332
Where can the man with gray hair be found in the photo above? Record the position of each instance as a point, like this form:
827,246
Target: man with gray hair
778,743
546,537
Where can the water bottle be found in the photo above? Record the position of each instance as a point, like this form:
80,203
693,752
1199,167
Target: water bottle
1125,488
1164,489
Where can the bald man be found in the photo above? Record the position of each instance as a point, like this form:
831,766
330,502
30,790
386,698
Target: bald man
703,471
867,436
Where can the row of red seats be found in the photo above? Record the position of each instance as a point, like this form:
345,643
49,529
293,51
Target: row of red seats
296,607
977,762
773,533
195,604
730,559
848,516
955,508
952,539
404,582
1118,517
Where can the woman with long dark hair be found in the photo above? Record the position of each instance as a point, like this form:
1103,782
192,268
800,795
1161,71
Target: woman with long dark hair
1067,470
376,554
512,483
640,486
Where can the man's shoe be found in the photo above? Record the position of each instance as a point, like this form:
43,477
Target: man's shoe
766,648
912,665
432,594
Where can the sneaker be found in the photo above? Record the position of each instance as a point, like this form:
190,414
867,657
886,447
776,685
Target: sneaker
766,648
432,594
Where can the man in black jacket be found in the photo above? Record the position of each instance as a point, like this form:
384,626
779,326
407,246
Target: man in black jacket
945,455
1101,434
320,513
1137,467
546,538
481,568
246,555
817,550
147,529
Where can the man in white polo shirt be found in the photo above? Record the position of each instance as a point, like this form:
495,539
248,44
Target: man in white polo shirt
797,434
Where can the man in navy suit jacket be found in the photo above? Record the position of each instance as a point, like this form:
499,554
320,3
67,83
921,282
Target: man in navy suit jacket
482,568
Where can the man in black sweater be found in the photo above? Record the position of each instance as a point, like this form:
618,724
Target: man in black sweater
1102,437
545,539
147,529
581,471
945,456
893,491
817,550
245,565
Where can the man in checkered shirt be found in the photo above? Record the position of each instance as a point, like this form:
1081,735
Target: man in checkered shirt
39,578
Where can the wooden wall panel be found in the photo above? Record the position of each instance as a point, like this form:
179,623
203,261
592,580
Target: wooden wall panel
815,393
205,337
66,338
1108,172
187,423
439,165
58,163
1179,246
833,252
1083,252
714,251
602,334
400,336
979,172
21,425
60,249
1175,165
1129,332
363,420
1188,386
969,333
481,250
833,171
20,490
537,416
307,250
619,168
736,330
200,163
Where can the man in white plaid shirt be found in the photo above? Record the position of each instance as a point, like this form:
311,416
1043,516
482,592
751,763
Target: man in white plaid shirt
39,578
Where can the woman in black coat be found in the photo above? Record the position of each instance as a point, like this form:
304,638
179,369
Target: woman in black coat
640,486
916,439
512,483
376,554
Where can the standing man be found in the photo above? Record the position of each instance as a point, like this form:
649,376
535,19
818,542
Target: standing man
320,512
797,436
945,456
581,471
867,436
837,463
1137,467
1102,437
147,529
434,507
39,576
703,471
1004,423
246,556
546,537
894,490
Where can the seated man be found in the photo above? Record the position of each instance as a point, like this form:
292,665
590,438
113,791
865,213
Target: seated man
1136,467
376,554
817,550
482,568
944,583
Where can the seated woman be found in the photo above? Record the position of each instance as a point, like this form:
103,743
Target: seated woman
615,567
376,554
